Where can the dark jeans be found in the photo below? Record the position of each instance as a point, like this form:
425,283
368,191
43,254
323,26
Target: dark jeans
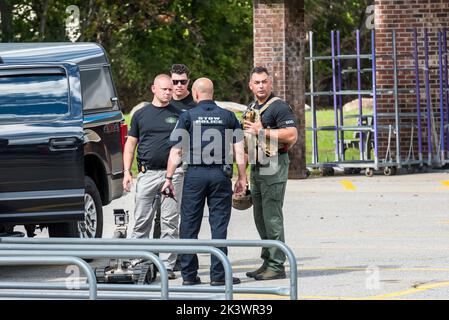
201,183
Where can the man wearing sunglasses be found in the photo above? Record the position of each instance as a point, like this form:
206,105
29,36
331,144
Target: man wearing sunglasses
182,98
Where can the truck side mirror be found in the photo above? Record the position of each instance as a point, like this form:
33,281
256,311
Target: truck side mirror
115,103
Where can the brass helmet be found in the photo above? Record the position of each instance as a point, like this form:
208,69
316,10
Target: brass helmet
242,202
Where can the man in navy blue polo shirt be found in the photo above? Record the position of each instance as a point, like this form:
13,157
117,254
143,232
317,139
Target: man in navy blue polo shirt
210,136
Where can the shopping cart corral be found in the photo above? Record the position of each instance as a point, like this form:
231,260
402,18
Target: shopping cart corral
404,134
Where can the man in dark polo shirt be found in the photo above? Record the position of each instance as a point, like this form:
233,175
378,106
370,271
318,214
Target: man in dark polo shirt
150,131
277,122
208,177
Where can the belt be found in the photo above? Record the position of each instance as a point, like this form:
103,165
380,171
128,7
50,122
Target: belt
282,151
206,165
143,167
266,165
226,168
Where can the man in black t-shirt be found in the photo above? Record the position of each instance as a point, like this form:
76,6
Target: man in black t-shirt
277,124
182,98
150,131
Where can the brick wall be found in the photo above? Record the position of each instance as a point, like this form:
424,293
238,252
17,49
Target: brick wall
279,45
403,16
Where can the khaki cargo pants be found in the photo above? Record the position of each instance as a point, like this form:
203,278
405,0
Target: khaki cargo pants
147,186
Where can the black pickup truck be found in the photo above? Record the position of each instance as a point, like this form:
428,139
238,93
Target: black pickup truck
62,135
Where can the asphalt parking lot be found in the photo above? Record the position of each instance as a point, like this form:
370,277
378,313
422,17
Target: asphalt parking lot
354,238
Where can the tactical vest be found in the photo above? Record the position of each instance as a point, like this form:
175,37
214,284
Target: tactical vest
253,114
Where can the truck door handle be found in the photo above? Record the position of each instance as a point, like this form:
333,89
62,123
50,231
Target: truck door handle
63,144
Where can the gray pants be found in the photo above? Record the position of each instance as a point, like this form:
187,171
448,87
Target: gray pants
147,186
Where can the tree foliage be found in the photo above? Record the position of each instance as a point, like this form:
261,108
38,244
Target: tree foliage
213,37
145,37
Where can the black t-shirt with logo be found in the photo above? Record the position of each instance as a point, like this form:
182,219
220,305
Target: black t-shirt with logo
153,126
184,104
278,115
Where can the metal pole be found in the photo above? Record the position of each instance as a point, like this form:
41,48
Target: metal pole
132,248
418,95
396,100
373,52
312,104
440,57
101,295
21,251
340,98
343,57
181,242
334,89
428,98
446,86
359,89
49,260
280,291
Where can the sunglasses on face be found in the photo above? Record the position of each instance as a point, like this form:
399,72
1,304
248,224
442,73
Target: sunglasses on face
183,82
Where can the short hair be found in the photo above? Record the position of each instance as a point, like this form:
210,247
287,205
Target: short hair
160,77
179,69
259,69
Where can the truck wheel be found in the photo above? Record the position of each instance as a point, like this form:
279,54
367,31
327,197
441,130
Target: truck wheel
91,226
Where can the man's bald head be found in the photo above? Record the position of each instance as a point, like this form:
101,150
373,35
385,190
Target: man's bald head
161,78
162,89
203,89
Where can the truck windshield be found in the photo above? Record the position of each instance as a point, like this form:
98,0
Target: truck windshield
33,96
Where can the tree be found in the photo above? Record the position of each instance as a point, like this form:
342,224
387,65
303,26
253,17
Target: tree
6,19
144,37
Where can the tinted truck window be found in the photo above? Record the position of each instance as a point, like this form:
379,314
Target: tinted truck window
97,89
33,95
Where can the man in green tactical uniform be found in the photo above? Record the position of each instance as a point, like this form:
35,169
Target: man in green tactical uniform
275,129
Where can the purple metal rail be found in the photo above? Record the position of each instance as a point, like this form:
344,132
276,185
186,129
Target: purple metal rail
312,104
340,98
446,86
396,99
428,98
373,53
440,57
359,88
418,94
334,89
